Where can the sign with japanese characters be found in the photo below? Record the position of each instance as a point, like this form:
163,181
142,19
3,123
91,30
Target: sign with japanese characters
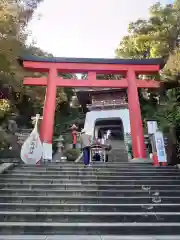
32,150
152,127
160,147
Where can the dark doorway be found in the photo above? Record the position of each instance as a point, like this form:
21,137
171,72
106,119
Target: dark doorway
115,125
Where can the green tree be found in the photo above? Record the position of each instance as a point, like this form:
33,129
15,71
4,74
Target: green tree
14,16
157,37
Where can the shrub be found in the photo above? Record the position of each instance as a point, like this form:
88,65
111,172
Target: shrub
72,154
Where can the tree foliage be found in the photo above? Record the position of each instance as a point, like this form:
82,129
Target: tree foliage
156,37
15,98
159,36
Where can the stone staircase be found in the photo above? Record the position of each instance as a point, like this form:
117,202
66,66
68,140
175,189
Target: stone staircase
109,201
118,152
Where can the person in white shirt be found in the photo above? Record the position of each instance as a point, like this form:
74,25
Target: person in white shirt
85,142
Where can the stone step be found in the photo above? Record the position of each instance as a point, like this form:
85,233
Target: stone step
95,168
97,173
88,217
94,164
72,186
123,157
10,160
89,237
149,182
95,228
96,207
118,149
88,192
9,201
91,177
79,164
122,152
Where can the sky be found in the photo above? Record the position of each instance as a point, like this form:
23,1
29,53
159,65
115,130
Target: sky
85,28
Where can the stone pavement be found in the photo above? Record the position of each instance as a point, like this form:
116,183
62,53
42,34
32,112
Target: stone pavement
87,237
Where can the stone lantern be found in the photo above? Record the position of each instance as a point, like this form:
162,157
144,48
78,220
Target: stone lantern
60,146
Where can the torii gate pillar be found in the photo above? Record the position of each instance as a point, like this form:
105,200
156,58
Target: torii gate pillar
137,133
129,67
47,124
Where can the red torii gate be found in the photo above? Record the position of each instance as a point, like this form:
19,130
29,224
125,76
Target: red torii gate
129,67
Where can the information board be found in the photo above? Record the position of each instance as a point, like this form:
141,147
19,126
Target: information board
160,147
152,127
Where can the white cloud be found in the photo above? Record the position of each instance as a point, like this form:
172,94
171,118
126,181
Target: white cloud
82,28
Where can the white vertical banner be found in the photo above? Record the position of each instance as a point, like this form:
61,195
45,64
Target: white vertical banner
31,151
47,151
152,127
160,147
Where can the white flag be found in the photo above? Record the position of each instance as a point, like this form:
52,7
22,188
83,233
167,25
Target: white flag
31,151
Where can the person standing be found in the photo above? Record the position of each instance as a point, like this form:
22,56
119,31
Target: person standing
74,135
86,142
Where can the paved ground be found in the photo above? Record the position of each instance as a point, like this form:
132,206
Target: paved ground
60,237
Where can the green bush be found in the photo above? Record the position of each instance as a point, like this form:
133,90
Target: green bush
72,154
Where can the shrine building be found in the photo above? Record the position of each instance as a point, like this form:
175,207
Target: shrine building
106,109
